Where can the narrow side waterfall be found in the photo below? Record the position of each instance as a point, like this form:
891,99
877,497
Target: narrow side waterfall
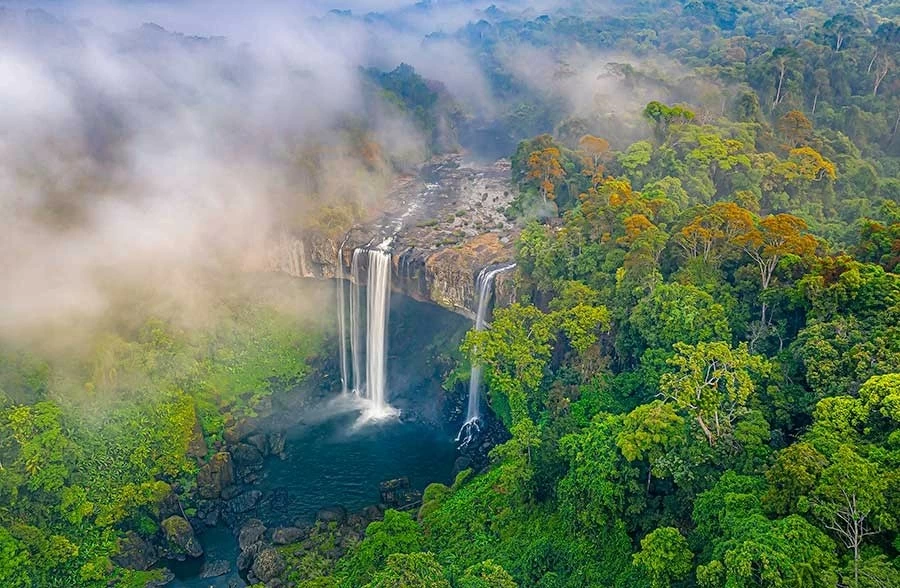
356,342
378,296
484,284
342,319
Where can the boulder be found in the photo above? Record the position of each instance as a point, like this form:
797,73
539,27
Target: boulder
180,536
214,569
166,578
235,431
373,513
197,445
246,455
285,535
462,462
251,532
244,502
209,512
268,564
259,441
276,443
246,557
332,514
169,504
215,476
134,553
230,492
391,490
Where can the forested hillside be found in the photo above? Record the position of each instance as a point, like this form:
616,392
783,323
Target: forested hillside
701,378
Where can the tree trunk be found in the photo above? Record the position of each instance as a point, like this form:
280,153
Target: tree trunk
879,77
872,62
896,128
782,71
706,431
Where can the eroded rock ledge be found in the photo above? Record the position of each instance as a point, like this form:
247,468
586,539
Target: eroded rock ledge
443,226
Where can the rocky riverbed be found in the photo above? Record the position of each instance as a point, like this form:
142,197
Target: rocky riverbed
444,225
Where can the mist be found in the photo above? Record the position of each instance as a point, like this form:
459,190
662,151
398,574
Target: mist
152,147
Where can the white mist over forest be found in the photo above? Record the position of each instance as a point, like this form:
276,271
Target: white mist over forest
155,139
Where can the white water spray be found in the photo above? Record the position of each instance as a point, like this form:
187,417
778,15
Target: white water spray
484,285
378,298
342,319
356,342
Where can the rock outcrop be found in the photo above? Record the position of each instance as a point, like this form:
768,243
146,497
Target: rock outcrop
215,476
180,537
442,227
268,564
134,553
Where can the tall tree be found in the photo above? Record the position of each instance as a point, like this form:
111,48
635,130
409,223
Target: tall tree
712,383
664,557
850,501
544,166
767,243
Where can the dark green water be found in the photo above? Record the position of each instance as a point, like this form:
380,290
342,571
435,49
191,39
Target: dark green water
333,462
341,462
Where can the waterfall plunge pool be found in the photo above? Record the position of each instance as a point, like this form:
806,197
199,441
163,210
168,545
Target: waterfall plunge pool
333,458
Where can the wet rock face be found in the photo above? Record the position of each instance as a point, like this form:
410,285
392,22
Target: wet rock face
180,536
268,564
135,553
251,532
444,225
332,514
244,502
215,476
214,569
287,535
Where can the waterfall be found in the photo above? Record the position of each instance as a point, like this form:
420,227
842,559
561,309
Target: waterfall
378,296
367,367
484,285
356,323
342,319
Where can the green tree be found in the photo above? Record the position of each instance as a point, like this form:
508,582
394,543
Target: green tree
410,570
712,383
398,533
15,562
664,557
44,452
850,501
487,574
675,313
651,431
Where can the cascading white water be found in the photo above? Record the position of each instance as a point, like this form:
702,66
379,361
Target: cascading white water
356,342
378,295
342,319
484,285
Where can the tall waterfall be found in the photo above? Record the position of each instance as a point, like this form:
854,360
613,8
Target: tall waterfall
342,319
365,371
356,342
484,285
378,297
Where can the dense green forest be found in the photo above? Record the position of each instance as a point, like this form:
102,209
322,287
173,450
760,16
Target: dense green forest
701,378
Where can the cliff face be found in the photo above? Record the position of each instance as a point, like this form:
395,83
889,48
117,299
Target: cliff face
442,227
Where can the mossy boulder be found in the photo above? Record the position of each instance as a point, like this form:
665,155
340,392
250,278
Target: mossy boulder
180,537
